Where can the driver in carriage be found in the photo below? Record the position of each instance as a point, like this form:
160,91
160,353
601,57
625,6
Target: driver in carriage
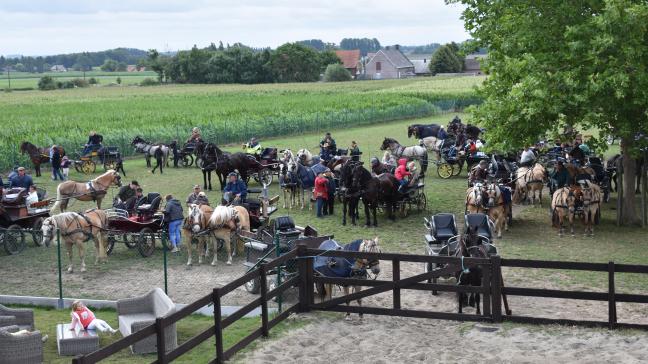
389,160
94,143
527,158
479,173
127,197
21,179
235,191
197,197
32,197
327,147
402,174
560,176
194,138
253,147
577,155
378,168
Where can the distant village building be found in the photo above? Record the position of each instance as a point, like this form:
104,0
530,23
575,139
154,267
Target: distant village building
472,63
350,60
389,63
58,68
421,66
134,68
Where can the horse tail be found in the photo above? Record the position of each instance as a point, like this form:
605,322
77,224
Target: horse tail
57,203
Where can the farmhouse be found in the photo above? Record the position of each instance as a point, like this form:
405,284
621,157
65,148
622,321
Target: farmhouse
350,60
472,63
389,63
134,68
58,68
421,66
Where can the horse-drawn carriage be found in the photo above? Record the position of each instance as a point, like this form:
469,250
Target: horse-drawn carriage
138,230
108,156
413,198
453,159
602,176
273,241
17,219
270,166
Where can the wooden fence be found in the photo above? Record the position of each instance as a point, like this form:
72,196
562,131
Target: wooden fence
492,289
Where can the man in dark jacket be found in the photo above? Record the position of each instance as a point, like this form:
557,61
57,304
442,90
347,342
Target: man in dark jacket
355,152
56,164
174,215
560,176
235,191
94,142
332,188
21,179
577,155
126,198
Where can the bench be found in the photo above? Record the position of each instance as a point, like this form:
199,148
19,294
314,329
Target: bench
77,341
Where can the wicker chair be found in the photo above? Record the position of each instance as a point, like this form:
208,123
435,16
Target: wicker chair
24,317
139,312
25,349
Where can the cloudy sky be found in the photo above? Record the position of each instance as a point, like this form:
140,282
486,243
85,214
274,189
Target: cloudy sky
42,27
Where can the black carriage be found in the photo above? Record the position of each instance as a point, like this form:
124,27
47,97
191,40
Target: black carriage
269,159
138,230
109,157
413,198
602,176
453,159
272,241
187,155
17,219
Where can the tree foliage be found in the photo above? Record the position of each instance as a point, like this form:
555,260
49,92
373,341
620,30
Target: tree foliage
336,73
446,60
555,63
46,83
109,65
365,45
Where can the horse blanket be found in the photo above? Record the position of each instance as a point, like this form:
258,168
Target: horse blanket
334,266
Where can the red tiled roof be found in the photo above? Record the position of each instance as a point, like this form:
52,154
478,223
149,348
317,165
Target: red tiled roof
350,58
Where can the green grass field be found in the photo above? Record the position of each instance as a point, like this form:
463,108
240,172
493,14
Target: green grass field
25,80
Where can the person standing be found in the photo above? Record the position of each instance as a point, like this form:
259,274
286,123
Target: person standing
65,166
355,152
332,187
321,194
174,214
56,164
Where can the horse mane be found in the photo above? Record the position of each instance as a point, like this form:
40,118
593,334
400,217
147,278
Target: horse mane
221,215
64,218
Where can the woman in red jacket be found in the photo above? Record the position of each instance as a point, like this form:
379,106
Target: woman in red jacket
321,193
402,173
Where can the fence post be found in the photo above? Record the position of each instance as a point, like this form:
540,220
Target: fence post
218,325
305,266
496,287
164,252
161,342
278,252
264,300
396,279
486,280
612,314
60,276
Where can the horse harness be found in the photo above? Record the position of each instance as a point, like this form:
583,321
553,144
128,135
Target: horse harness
80,229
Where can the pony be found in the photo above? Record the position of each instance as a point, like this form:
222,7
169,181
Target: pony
591,202
529,179
374,190
470,247
563,207
224,221
149,149
496,207
38,155
475,199
304,178
341,267
416,152
421,131
288,183
348,195
94,190
196,226
305,157
76,229
433,144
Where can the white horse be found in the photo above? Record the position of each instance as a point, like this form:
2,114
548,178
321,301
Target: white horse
433,144
305,157
414,152
224,221
149,149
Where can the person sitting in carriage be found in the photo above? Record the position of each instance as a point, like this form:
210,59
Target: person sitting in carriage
527,158
378,168
560,176
479,173
253,147
327,147
94,143
235,191
355,151
577,155
21,179
195,136
389,160
402,174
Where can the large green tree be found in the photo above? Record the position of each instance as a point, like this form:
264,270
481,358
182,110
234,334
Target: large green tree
294,62
446,60
556,63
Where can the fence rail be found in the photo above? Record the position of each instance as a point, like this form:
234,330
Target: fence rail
492,288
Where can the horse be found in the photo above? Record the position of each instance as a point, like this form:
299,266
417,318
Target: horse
212,159
288,183
149,149
374,190
304,178
196,226
475,199
94,190
38,155
305,157
574,171
433,144
414,152
224,221
591,202
421,131
76,229
350,198
470,247
341,267
497,207
563,206
611,166
529,179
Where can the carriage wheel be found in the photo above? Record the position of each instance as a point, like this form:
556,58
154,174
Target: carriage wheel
77,166
187,160
444,170
253,286
421,202
110,244
264,177
198,162
402,206
130,241
457,168
37,233
88,167
146,242
14,240
110,165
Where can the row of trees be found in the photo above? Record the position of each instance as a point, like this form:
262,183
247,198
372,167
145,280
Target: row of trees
291,62
77,61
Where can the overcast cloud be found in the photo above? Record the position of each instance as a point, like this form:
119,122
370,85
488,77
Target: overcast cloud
36,27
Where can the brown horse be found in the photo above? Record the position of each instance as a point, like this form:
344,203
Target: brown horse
94,190
529,180
591,200
497,209
475,199
576,171
38,155
224,221
196,225
76,229
563,207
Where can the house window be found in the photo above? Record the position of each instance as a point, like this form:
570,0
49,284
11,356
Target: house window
378,67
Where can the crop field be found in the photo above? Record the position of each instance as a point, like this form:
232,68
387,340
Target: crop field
24,80
225,113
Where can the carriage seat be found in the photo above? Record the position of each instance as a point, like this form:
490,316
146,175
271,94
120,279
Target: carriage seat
255,190
481,221
14,196
269,153
151,205
443,227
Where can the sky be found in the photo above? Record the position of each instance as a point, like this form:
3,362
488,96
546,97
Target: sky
45,27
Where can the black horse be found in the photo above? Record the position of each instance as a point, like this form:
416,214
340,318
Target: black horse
212,159
375,190
470,247
348,195
612,172
421,131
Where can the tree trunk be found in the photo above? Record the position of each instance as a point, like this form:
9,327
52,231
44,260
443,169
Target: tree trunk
628,212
